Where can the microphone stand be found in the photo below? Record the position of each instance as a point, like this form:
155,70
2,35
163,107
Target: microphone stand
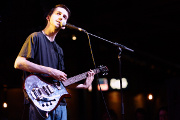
114,43
120,47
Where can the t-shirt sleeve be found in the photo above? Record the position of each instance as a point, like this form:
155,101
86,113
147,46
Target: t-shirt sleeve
28,48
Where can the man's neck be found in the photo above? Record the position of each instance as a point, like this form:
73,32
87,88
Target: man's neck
50,33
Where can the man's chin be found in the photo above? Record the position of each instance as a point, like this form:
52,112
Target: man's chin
63,28
60,27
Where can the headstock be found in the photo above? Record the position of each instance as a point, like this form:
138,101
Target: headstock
103,69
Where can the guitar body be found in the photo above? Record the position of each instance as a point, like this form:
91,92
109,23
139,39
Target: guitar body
47,93
45,96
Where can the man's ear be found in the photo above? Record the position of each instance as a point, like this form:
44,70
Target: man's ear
48,18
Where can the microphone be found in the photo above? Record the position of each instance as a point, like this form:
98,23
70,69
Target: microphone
64,24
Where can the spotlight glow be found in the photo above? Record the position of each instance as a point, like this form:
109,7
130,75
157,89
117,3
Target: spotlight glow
115,83
74,37
4,105
150,96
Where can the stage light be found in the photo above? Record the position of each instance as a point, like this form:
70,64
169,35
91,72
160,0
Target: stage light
74,37
150,96
124,83
115,83
4,105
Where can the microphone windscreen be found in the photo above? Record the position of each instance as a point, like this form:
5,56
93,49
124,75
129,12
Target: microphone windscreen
63,24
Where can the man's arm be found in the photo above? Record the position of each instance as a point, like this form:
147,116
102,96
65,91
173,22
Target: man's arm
23,64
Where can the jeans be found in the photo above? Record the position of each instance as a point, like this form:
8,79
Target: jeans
60,113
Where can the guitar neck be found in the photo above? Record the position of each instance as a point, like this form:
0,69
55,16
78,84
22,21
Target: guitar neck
78,78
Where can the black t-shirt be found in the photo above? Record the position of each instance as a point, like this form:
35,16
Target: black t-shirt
38,49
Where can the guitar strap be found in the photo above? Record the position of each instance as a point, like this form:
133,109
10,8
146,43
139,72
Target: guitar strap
60,56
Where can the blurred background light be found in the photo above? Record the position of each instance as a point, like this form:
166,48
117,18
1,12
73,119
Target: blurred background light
4,105
150,96
74,37
139,101
124,83
115,83
103,84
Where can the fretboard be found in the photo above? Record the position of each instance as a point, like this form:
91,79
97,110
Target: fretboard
78,78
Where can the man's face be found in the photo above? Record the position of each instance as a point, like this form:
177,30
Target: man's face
59,16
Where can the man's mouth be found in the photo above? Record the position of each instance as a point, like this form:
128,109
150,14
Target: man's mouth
59,23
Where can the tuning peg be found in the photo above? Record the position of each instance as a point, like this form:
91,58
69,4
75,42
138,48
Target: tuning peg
105,73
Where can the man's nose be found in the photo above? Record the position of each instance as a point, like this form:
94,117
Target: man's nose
60,17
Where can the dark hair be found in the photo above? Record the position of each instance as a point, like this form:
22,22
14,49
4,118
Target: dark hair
59,5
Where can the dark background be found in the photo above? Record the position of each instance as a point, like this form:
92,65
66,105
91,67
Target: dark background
150,28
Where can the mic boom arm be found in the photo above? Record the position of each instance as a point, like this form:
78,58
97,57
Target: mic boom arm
74,27
114,43
80,29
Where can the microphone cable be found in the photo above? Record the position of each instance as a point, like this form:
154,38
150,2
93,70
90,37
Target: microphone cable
102,95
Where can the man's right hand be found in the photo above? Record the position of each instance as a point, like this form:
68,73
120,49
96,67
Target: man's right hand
23,64
58,75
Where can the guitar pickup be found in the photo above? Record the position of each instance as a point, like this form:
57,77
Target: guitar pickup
46,90
50,88
36,94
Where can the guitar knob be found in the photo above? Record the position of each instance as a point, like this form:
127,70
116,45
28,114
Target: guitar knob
43,105
47,104
105,73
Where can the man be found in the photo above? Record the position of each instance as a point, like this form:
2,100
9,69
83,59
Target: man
40,54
